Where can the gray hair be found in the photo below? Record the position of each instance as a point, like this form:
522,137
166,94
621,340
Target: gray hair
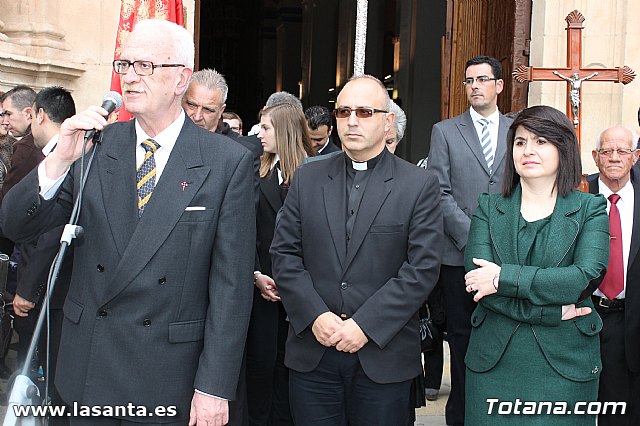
401,119
184,49
279,98
212,80
21,97
634,136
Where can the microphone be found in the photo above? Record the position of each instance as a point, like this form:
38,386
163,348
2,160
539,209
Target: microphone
112,101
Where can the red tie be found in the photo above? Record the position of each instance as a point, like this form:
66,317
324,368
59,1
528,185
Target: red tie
613,282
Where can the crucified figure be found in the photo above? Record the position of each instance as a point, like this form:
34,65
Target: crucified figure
574,93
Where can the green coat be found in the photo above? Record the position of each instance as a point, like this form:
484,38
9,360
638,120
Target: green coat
577,252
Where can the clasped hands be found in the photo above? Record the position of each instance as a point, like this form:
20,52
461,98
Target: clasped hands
267,287
485,281
346,336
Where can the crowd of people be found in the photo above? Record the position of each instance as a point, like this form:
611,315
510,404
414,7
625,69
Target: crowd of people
278,278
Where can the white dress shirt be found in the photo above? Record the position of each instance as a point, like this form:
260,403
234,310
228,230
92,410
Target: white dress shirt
494,125
625,206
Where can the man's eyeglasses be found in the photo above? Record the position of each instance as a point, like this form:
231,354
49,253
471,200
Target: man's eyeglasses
142,68
345,112
483,79
622,152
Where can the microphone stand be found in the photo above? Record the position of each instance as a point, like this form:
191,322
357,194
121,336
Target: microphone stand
24,392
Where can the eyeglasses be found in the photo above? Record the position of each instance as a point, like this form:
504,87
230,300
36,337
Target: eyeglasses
482,79
622,152
345,112
142,68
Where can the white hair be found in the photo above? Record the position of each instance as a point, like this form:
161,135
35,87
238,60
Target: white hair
184,49
212,80
634,136
401,119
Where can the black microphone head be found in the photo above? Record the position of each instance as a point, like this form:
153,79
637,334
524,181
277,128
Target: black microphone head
112,101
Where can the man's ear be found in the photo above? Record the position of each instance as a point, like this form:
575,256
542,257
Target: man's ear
389,119
39,116
28,112
184,76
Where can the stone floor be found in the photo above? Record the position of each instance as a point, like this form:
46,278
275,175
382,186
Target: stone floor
431,415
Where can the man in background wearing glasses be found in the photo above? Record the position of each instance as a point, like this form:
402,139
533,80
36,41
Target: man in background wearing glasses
466,154
355,254
158,308
617,300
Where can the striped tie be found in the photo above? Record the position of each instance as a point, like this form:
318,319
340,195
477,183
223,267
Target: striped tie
485,142
146,175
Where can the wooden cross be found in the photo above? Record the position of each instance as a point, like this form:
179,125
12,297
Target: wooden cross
573,73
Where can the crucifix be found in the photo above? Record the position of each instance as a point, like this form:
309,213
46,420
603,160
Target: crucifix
574,74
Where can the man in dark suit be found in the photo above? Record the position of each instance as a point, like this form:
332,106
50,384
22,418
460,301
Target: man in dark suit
17,105
353,346
158,306
617,300
320,127
467,155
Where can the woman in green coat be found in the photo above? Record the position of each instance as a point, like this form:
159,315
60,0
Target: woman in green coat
534,254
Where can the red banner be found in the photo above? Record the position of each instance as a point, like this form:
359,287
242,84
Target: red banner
131,12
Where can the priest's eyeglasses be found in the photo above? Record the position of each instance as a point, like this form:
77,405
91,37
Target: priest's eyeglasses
622,152
142,68
481,79
345,112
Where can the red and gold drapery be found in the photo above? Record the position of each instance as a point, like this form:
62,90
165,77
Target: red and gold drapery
132,11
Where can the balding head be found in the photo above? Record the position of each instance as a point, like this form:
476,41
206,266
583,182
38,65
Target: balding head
615,155
363,137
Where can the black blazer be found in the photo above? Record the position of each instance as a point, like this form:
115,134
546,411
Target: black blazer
383,278
632,293
268,206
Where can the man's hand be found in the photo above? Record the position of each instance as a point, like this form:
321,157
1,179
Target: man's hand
571,312
349,338
71,138
325,326
208,411
267,287
22,306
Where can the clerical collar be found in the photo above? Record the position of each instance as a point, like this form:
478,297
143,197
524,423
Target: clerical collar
364,165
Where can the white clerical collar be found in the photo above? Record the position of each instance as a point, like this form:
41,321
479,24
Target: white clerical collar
359,166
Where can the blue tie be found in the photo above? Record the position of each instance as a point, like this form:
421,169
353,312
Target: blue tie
485,142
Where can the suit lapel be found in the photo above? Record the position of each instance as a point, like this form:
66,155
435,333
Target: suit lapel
564,229
118,170
334,193
271,190
376,192
504,228
166,206
635,233
468,131
501,145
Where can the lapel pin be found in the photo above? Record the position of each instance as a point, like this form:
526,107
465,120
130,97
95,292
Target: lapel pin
184,185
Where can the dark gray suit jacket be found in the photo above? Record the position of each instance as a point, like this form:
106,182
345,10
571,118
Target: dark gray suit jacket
159,305
632,290
457,160
381,280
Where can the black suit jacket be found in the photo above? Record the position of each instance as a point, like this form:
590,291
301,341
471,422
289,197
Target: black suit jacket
268,207
331,147
380,281
632,290
159,305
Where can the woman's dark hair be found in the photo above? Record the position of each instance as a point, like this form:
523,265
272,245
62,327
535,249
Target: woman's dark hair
551,124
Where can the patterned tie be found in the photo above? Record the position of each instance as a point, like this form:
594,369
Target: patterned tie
485,142
146,175
613,282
